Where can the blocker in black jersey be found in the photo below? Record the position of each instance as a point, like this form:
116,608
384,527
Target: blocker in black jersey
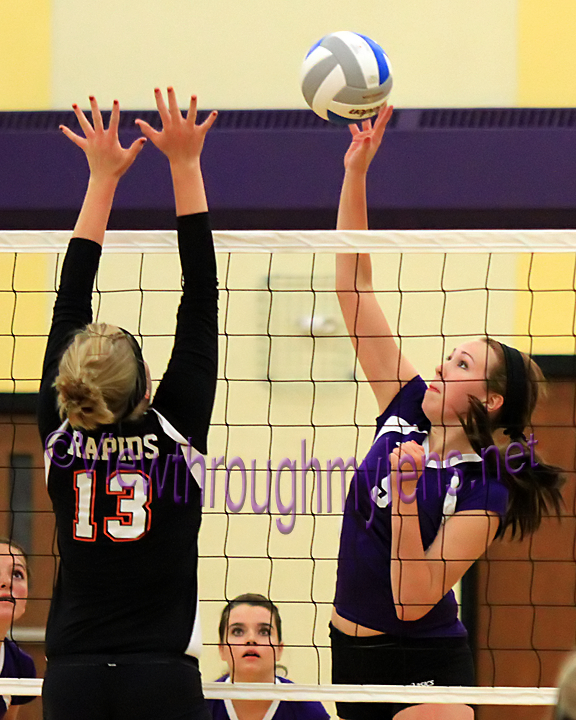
123,634
127,505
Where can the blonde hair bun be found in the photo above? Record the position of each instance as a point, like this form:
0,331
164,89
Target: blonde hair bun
97,374
82,403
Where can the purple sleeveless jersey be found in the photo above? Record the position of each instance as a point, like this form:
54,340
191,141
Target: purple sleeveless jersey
363,587
16,664
224,709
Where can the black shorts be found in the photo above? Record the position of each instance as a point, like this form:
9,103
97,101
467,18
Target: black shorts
122,687
392,660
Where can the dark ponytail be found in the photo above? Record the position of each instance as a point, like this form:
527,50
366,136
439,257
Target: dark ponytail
533,491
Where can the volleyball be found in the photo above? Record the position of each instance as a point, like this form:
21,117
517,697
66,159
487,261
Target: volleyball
346,77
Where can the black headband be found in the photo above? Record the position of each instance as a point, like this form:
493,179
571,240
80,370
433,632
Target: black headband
141,386
513,413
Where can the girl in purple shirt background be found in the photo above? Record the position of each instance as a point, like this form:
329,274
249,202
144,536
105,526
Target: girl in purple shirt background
250,633
14,663
450,470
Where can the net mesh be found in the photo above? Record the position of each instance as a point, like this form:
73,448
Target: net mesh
292,404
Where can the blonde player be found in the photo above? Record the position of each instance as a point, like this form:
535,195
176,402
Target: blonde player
122,636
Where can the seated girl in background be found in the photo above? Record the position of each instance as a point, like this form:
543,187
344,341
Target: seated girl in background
250,633
14,663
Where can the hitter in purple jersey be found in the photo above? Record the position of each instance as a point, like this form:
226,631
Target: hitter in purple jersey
14,663
251,645
449,471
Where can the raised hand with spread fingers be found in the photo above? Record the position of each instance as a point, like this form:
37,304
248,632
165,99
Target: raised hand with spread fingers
181,140
107,160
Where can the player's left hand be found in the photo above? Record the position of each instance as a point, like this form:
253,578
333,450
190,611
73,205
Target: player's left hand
365,142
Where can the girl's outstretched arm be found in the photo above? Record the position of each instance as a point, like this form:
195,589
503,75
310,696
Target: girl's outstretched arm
107,160
385,367
185,396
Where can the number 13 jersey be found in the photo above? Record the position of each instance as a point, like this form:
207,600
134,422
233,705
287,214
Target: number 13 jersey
127,496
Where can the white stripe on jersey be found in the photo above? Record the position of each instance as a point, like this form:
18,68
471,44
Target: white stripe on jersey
195,644
48,453
269,713
7,698
188,451
398,425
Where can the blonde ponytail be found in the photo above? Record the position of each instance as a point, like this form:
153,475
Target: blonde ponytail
97,375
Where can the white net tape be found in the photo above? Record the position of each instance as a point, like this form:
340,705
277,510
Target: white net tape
347,693
318,241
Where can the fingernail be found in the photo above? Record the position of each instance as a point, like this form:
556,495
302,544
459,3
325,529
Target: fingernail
156,90
115,102
74,106
91,98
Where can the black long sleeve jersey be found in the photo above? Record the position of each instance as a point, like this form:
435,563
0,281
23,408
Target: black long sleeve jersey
127,496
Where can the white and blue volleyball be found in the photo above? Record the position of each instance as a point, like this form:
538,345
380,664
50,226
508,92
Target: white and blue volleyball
346,77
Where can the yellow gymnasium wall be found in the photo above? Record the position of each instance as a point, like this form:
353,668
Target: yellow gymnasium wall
248,55
547,78
25,83
546,58
25,54
234,55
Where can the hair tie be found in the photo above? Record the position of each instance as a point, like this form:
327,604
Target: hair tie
514,434
515,403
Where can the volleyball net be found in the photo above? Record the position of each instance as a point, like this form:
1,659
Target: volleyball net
290,392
